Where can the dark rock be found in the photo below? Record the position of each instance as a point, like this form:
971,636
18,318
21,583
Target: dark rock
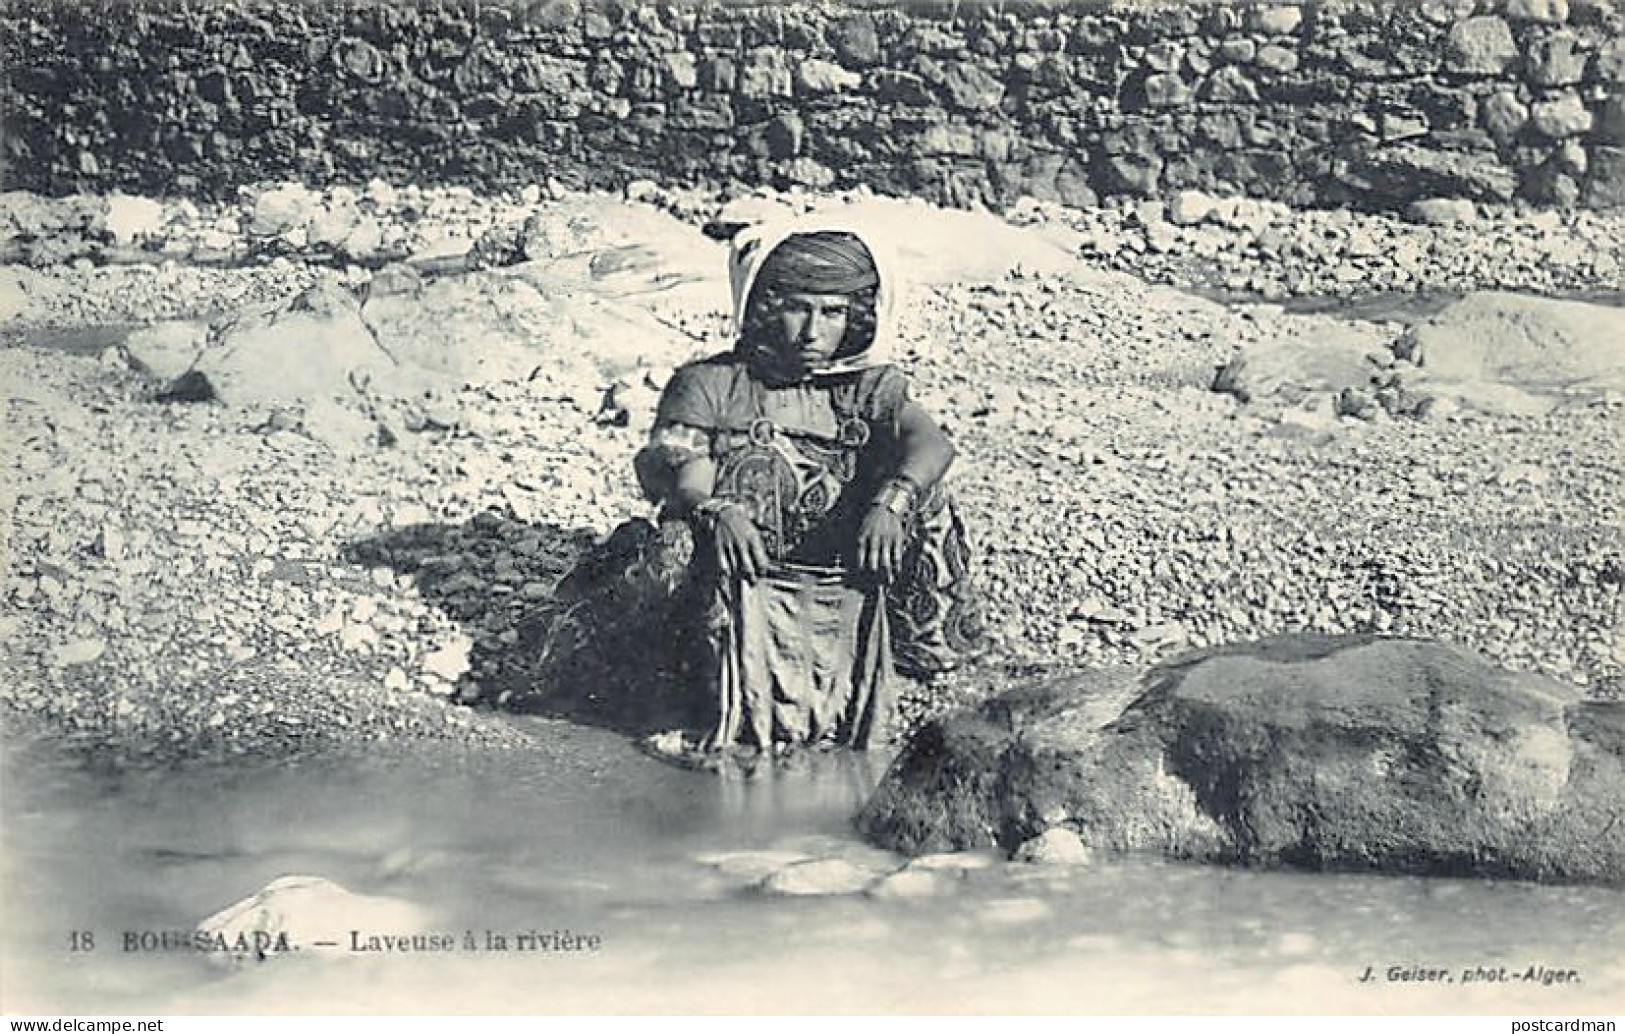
191,386
970,88
1611,126
785,134
1330,753
902,87
1551,186
1137,174
1605,178
1406,172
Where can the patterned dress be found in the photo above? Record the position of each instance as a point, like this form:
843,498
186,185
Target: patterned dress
806,652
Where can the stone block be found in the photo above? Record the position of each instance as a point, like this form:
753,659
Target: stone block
1550,12
1317,752
1396,126
1551,187
1442,211
1190,207
1405,172
551,15
1274,21
808,172
1237,50
1555,60
1571,159
856,41
901,87
1503,114
785,135
1277,59
1610,63
681,72
718,74
1605,178
970,88
1163,90
1611,127
765,74
1230,85
1164,56
1480,46
1562,116
815,76
1137,174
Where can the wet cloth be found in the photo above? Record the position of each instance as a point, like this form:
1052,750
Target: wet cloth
804,656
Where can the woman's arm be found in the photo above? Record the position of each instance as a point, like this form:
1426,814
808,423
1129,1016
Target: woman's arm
926,451
675,472
926,456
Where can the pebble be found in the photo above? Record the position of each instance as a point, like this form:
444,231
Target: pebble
819,877
78,651
909,884
751,865
449,662
1055,846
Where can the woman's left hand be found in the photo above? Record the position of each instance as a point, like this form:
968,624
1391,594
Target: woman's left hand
880,543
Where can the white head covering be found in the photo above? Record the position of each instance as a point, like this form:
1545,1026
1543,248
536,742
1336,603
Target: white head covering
752,245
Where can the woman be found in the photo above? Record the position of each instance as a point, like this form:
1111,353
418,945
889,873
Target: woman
805,537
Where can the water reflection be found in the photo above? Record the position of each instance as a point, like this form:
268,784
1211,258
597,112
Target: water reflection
584,834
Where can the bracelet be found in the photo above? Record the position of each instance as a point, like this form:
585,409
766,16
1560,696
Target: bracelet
897,495
707,511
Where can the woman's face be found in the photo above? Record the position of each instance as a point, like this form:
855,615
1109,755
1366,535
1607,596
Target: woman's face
811,326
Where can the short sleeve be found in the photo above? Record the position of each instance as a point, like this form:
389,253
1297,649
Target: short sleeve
692,397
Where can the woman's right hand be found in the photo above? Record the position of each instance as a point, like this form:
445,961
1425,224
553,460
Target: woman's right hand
739,544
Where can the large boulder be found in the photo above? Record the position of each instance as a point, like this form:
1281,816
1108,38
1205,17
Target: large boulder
1324,752
1517,353
315,346
1304,360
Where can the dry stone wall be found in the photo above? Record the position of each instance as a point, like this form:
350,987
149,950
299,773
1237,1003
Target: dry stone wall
1327,102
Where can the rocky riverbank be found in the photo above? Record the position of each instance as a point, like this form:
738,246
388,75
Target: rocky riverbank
297,565
1240,247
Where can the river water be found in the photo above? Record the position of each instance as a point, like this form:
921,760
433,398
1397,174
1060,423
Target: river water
584,834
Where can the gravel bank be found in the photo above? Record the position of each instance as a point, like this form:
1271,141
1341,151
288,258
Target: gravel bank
190,580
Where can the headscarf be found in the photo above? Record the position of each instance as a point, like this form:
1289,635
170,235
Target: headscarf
819,265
